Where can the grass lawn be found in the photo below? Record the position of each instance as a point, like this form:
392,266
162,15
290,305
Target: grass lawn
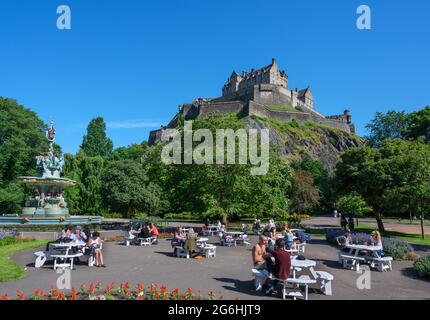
9,270
281,108
412,238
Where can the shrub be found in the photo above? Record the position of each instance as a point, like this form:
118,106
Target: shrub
7,241
4,234
361,238
183,216
112,215
422,267
332,234
411,256
396,248
295,219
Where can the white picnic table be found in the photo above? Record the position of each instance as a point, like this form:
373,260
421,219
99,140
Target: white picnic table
301,264
202,240
370,251
235,234
66,255
211,230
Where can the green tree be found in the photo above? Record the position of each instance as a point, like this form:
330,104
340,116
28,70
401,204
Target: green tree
22,138
321,178
85,197
391,177
95,142
419,124
126,189
133,152
305,197
226,191
353,204
388,126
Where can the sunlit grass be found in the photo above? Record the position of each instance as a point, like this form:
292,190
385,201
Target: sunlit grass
9,270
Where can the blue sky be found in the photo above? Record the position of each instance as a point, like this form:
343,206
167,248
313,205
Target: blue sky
134,62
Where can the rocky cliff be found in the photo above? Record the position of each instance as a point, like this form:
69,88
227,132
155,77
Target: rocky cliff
293,141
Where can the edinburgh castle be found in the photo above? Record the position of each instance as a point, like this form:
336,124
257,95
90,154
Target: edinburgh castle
263,92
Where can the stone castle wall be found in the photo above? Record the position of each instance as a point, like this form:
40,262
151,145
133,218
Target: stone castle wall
271,94
301,117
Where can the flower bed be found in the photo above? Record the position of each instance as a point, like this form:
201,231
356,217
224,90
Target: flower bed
398,249
123,291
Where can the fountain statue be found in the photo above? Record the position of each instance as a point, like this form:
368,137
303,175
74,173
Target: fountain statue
46,204
47,198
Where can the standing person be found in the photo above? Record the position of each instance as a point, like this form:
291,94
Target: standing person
219,225
190,244
94,244
207,222
335,213
257,227
343,221
351,224
282,265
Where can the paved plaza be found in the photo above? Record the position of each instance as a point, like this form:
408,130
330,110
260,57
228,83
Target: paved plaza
229,273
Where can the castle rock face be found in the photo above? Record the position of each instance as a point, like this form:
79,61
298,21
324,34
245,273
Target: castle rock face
263,92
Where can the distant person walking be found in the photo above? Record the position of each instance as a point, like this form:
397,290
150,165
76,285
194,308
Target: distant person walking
335,213
351,224
343,221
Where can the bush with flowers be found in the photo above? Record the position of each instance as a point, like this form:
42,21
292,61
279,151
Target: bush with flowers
112,291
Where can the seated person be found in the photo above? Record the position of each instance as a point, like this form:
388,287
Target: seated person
154,232
144,232
130,235
288,239
77,237
377,242
94,244
178,239
281,267
344,240
190,244
259,253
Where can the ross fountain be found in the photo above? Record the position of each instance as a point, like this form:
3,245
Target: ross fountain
46,205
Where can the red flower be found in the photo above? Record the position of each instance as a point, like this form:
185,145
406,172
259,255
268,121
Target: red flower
20,295
74,295
91,290
4,297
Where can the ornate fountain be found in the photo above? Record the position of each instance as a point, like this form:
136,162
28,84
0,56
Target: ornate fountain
47,195
47,205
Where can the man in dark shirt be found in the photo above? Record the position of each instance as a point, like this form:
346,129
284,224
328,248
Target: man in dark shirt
144,233
280,269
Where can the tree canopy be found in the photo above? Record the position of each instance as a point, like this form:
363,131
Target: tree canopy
95,142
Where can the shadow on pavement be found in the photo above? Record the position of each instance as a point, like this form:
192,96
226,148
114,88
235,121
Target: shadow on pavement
410,273
244,287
